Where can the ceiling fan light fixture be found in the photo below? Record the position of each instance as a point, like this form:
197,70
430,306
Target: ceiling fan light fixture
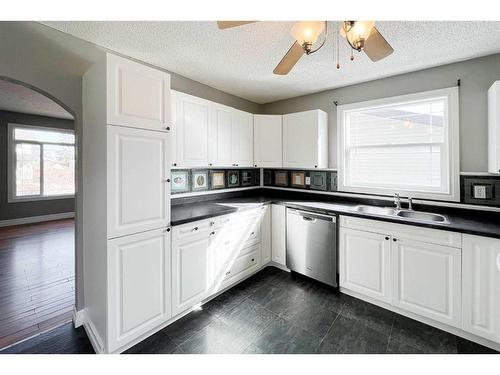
357,32
307,32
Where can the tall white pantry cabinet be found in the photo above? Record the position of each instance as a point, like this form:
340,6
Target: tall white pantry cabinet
126,213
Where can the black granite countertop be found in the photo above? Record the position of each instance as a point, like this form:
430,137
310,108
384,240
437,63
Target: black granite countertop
482,223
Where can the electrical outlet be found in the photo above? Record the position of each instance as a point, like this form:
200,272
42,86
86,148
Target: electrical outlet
479,192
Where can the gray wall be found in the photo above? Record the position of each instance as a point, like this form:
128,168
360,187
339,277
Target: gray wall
33,208
476,76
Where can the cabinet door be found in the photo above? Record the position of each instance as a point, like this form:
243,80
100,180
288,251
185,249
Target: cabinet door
300,140
242,143
221,136
481,286
137,95
268,142
278,239
191,128
139,285
138,192
365,263
191,271
427,279
266,234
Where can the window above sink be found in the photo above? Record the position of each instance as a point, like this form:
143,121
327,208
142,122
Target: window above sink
407,144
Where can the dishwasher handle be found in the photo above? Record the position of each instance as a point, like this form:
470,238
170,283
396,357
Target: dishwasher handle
312,216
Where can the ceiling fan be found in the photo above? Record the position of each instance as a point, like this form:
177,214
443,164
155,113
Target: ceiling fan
361,36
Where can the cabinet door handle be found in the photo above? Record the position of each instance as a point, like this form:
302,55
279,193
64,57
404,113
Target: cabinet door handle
498,261
253,259
167,128
387,238
174,164
394,239
194,229
166,230
212,233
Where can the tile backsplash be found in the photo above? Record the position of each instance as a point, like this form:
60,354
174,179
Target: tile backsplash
301,179
198,180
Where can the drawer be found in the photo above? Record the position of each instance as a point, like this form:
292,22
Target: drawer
244,264
187,231
408,231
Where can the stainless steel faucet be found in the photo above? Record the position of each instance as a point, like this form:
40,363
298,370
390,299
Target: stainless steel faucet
410,203
397,201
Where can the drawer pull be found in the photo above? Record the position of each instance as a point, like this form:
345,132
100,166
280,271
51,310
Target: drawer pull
194,229
253,260
252,233
394,239
387,238
498,261
212,223
212,233
228,272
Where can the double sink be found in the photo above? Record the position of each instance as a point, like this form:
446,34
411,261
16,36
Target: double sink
406,214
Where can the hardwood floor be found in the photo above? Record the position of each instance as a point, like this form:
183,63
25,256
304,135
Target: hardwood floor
37,278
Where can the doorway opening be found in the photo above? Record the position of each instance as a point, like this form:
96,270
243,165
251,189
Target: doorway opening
37,210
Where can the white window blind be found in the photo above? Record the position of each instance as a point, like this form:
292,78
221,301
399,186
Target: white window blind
400,145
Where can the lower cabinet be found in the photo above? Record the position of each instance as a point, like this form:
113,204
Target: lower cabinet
266,235
427,280
365,263
388,262
481,286
191,271
210,255
139,285
278,238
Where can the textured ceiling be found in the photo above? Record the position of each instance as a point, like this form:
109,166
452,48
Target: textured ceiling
240,61
17,98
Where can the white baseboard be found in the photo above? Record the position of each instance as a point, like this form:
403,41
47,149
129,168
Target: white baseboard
93,336
78,317
36,219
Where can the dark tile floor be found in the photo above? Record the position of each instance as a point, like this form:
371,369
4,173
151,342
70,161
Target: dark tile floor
273,312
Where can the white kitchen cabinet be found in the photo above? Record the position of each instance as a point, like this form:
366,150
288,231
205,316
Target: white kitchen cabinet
365,263
138,191
268,141
427,279
305,139
137,95
191,271
278,238
220,136
494,128
139,285
481,286
266,234
242,139
190,130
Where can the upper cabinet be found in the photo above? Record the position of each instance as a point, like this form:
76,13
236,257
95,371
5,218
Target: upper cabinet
208,134
242,139
137,95
190,130
220,136
268,140
494,128
305,139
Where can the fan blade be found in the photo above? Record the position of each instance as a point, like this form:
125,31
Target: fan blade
228,24
289,60
376,47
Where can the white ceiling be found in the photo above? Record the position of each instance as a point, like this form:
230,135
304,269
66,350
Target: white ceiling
18,98
240,61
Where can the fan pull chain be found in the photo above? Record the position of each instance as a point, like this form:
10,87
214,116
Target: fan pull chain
338,44
352,55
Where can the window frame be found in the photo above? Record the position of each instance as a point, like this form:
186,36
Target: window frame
11,163
452,144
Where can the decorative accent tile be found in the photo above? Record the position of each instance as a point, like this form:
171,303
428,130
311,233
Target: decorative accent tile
180,181
281,178
298,179
333,181
199,180
218,180
247,177
233,178
318,180
256,177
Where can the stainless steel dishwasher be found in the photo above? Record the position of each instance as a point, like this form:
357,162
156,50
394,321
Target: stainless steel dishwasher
311,245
